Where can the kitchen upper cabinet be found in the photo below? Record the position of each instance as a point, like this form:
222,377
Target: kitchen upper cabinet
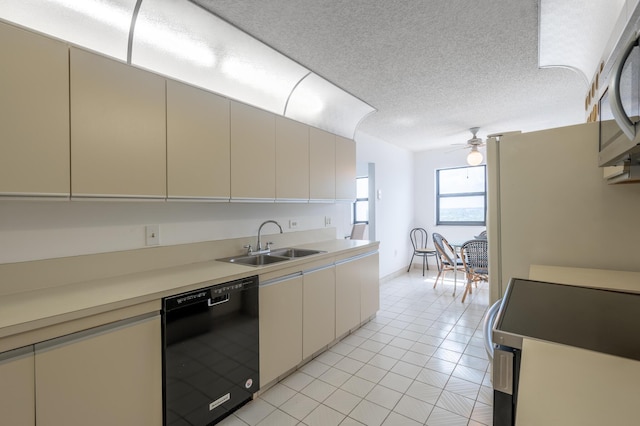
280,327
369,286
292,160
345,169
34,114
17,389
322,165
198,145
108,376
318,308
118,129
253,153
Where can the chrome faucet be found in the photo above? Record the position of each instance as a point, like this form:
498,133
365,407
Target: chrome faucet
259,247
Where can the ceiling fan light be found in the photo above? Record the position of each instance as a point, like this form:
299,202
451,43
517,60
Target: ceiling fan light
474,158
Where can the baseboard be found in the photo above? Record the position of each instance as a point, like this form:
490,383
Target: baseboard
393,275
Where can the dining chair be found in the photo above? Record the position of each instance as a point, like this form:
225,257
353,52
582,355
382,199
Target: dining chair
357,232
446,257
419,238
475,258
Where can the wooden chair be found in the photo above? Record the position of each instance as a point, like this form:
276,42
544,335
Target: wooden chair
447,258
475,258
419,238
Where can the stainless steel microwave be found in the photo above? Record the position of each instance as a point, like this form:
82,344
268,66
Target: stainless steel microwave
619,110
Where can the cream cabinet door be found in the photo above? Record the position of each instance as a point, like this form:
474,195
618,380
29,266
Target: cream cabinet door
253,153
322,165
318,310
118,129
34,114
347,296
369,286
280,327
292,160
111,375
345,169
17,391
198,147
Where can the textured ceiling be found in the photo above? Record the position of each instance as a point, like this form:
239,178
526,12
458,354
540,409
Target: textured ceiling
431,68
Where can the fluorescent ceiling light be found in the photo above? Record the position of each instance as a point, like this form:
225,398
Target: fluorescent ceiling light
176,42
255,75
103,11
173,40
181,40
102,26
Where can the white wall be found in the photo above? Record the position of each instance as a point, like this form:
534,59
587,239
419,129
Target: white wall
31,230
394,211
425,165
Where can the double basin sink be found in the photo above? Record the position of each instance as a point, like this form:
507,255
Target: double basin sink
274,256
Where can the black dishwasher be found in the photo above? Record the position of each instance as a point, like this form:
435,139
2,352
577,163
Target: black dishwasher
211,361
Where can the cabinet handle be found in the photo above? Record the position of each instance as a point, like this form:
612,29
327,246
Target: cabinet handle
319,268
15,354
93,332
218,300
280,279
360,256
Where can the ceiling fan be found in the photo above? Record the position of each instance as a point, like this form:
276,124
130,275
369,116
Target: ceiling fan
474,157
475,141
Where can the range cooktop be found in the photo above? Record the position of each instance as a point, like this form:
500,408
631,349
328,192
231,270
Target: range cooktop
601,320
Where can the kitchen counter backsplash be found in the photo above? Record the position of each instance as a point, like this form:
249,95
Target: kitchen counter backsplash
41,274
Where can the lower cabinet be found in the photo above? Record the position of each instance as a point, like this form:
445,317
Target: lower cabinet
357,291
280,327
369,286
318,309
110,375
17,390
347,296
302,313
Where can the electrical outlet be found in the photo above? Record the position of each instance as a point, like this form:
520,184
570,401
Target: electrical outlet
293,223
327,221
152,233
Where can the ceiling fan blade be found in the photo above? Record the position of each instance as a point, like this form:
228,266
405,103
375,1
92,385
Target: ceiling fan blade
458,149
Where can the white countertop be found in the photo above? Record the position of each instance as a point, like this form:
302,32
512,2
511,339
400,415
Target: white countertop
26,311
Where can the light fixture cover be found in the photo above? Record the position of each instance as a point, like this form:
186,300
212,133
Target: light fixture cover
319,103
98,25
574,33
474,158
181,40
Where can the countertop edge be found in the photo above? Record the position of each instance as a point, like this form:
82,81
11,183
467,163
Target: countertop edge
32,310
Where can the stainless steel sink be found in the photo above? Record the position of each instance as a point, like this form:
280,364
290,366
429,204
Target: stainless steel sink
275,256
295,252
256,259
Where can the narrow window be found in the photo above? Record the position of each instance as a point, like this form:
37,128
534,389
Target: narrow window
361,205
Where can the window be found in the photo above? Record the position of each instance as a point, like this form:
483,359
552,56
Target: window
361,206
461,196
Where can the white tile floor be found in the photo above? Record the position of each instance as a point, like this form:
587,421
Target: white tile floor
421,361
